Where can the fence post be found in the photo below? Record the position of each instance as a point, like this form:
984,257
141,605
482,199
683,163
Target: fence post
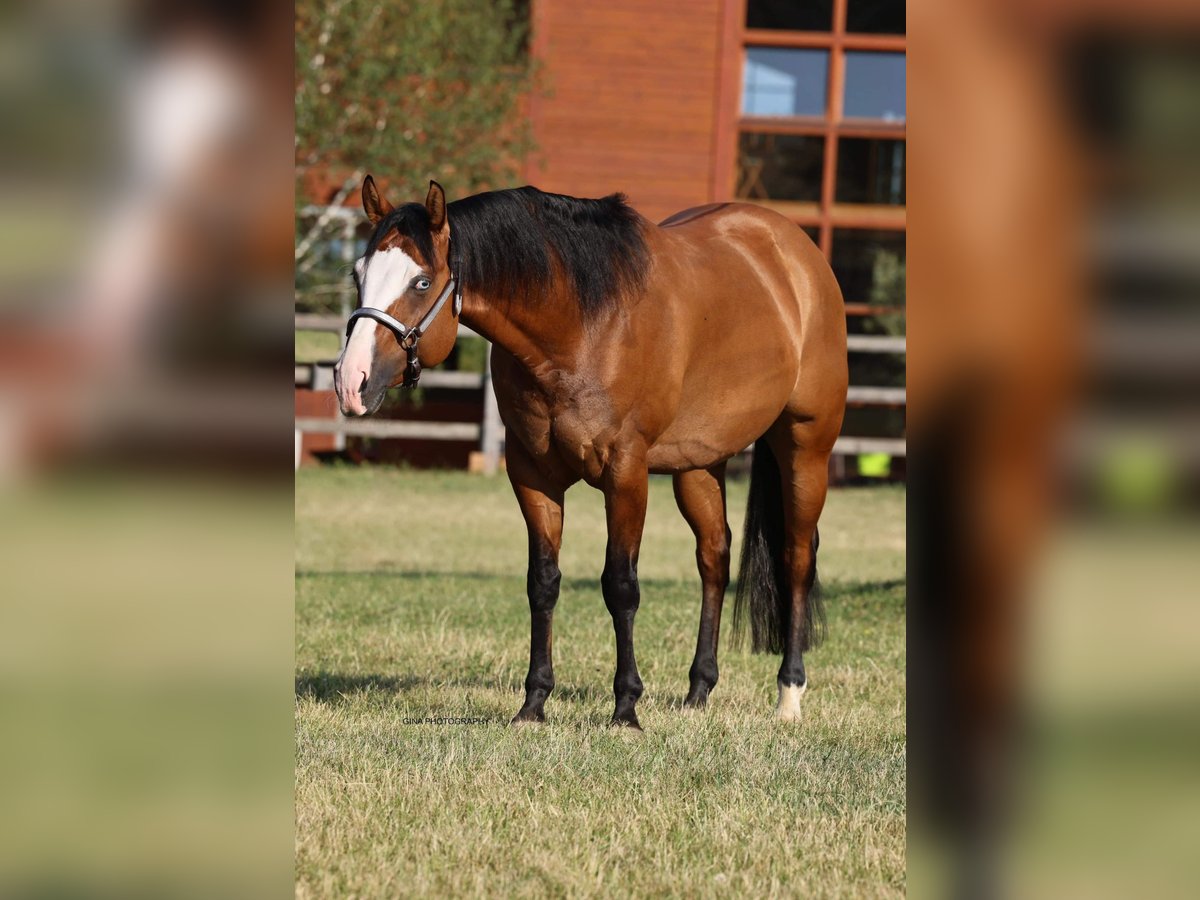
348,248
490,433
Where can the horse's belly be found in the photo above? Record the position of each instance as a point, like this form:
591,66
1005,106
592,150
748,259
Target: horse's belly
702,437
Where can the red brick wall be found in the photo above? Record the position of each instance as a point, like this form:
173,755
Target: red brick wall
631,104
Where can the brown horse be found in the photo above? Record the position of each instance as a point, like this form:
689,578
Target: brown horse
621,348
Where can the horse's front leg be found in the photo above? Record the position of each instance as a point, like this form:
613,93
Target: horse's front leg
542,506
625,509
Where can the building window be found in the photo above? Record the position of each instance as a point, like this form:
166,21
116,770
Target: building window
811,15
780,81
779,167
875,16
822,130
870,171
875,86
870,265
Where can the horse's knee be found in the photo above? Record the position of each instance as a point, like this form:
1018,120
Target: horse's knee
619,584
543,583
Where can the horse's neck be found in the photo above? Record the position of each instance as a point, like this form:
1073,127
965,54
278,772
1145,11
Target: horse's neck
546,330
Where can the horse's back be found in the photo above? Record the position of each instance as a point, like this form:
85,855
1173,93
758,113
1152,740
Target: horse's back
692,213
764,262
757,324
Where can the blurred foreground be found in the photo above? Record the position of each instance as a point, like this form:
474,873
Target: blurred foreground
145,445
1053,277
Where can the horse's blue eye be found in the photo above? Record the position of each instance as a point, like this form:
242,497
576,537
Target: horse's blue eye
423,284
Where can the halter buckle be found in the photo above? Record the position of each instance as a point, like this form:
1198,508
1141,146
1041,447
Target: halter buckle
412,370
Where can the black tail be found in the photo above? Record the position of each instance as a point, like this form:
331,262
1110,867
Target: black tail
762,577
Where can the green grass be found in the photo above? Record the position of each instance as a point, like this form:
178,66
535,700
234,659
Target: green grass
410,604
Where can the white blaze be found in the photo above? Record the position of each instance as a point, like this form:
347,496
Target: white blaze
382,280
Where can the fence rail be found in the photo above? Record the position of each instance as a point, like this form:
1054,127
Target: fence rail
318,376
855,343
875,343
391,428
469,431
861,395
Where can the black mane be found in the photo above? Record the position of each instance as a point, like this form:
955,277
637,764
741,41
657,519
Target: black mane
411,220
511,243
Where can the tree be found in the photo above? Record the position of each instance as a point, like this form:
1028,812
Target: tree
407,90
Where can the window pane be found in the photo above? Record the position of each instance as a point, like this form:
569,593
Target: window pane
870,171
869,265
813,15
875,16
779,167
875,86
784,82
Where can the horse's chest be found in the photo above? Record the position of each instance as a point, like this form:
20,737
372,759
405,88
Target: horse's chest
584,439
562,431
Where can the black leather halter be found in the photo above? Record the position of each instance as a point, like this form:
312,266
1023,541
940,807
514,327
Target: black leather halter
408,337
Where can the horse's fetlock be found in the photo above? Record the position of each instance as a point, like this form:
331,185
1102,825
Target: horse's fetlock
628,687
792,674
540,681
704,672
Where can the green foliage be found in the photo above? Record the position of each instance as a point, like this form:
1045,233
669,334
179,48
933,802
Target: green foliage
472,354
888,289
885,370
411,90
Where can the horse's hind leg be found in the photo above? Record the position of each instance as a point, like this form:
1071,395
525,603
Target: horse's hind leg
804,470
701,498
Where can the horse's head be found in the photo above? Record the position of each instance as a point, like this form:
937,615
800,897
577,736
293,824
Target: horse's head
404,273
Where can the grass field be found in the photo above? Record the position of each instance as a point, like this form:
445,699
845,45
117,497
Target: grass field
410,604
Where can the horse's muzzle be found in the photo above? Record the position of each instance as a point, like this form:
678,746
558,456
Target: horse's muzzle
349,384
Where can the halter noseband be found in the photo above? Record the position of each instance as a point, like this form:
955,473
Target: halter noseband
408,337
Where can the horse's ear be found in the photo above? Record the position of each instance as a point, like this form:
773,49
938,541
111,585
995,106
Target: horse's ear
435,202
375,206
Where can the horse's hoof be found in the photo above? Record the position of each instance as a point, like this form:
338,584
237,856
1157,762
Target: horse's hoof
788,707
629,721
529,717
695,701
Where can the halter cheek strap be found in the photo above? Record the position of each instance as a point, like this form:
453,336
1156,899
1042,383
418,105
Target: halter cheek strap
408,337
